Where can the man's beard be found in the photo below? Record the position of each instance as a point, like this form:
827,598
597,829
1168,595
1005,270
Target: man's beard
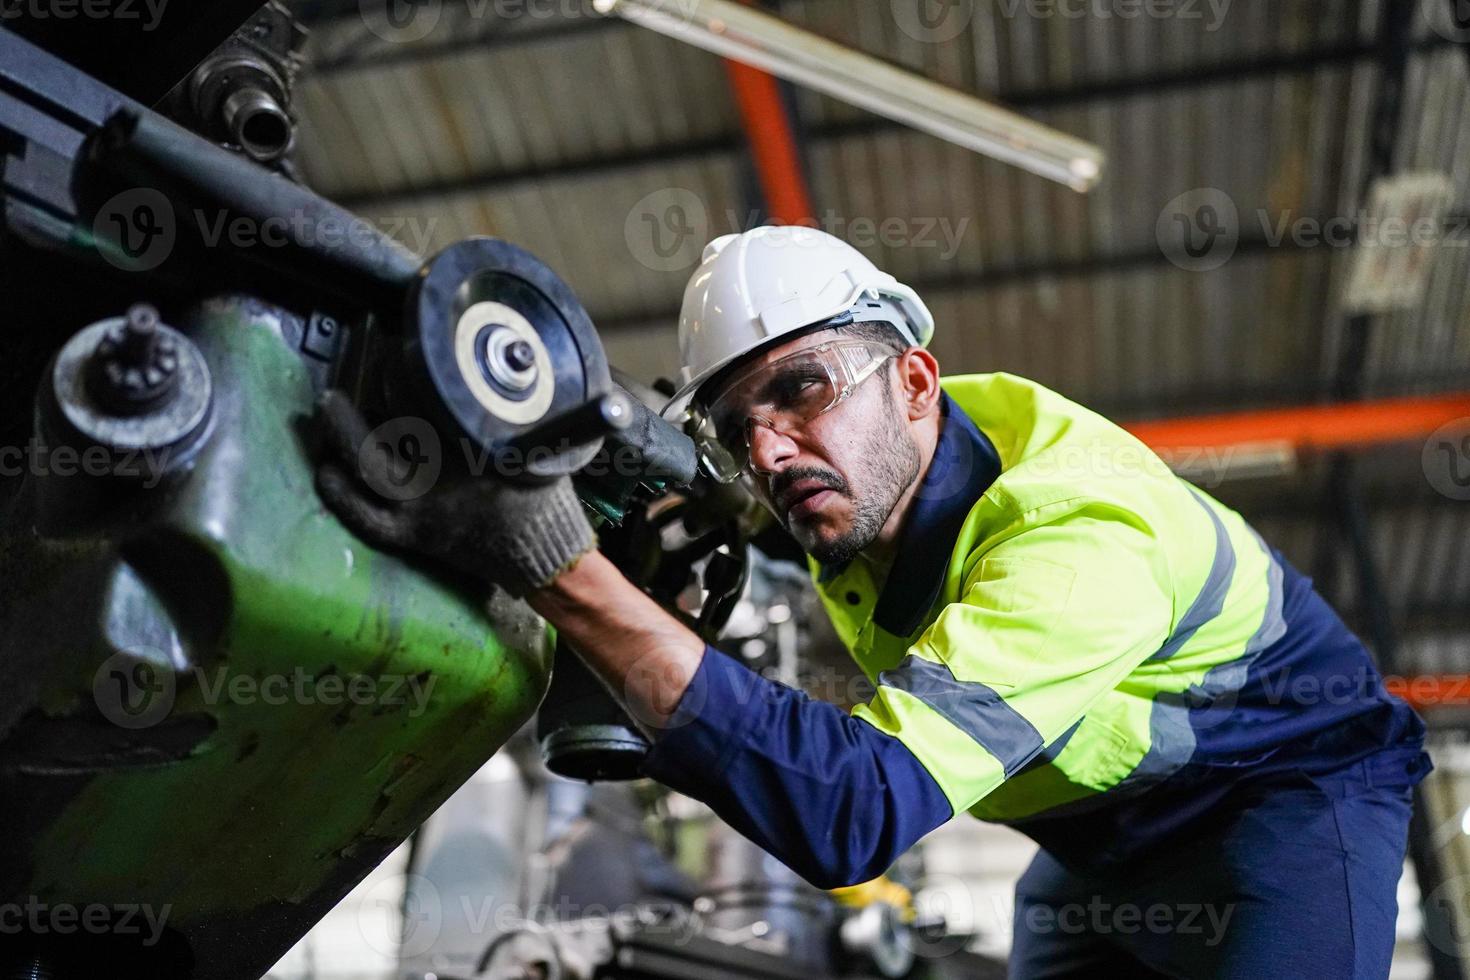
896,462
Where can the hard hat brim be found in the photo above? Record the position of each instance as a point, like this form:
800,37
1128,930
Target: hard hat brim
904,303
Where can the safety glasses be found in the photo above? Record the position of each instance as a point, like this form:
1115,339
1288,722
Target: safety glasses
783,396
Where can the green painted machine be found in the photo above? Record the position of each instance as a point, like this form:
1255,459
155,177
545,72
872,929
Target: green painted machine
174,719
219,709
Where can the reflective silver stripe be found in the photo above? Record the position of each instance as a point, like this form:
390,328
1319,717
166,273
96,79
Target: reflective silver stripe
1054,749
1172,729
1176,719
1273,623
1211,598
973,708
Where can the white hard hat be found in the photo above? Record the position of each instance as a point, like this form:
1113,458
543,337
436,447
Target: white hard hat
757,286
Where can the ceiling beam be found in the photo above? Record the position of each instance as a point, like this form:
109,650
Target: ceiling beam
1348,425
1152,84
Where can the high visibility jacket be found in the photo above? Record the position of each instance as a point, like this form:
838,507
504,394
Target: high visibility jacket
1067,623
1070,639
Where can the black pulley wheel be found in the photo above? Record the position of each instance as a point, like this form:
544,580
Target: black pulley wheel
501,346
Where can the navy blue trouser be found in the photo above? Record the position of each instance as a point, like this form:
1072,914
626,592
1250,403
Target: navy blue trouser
1296,878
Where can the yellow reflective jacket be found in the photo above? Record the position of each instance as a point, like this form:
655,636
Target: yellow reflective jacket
1064,615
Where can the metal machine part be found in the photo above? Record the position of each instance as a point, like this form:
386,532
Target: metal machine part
150,620
584,733
240,95
751,899
875,936
137,158
662,943
499,346
645,458
183,655
645,943
86,170
129,384
143,53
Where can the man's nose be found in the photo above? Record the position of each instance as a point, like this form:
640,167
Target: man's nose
769,449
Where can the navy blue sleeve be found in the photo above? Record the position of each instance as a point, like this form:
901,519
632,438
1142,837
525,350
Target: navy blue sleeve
832,797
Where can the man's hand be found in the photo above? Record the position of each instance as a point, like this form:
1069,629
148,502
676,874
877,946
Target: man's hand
520,537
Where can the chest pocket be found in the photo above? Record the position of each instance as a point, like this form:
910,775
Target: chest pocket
998,633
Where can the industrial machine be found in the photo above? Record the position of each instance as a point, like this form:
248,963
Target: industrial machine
220,709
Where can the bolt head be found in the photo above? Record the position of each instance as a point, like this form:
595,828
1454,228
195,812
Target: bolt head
520,356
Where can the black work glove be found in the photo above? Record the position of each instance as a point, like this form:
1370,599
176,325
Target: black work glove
520,537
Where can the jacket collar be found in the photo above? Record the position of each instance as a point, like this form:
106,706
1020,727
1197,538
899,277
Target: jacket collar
964,466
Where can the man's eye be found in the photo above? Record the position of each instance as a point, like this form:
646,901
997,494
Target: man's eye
796,385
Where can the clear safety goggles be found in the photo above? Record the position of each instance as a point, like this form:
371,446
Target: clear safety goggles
783,396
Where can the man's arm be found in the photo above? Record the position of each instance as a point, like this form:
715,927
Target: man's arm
645,656
833,797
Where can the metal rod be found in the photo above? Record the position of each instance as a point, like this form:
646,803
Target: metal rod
320,242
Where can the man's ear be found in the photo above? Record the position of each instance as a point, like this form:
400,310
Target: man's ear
918,381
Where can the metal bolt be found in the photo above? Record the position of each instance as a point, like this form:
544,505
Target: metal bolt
520,356
142,319
135,365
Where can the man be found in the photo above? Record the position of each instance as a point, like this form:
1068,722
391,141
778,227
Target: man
1063,636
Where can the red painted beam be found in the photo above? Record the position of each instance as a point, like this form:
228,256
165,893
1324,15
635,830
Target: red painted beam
1323,427
772,144
1428,691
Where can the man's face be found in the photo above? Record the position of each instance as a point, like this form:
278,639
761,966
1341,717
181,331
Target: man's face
834,480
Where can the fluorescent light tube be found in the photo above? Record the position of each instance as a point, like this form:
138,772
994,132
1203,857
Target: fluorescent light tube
742,33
